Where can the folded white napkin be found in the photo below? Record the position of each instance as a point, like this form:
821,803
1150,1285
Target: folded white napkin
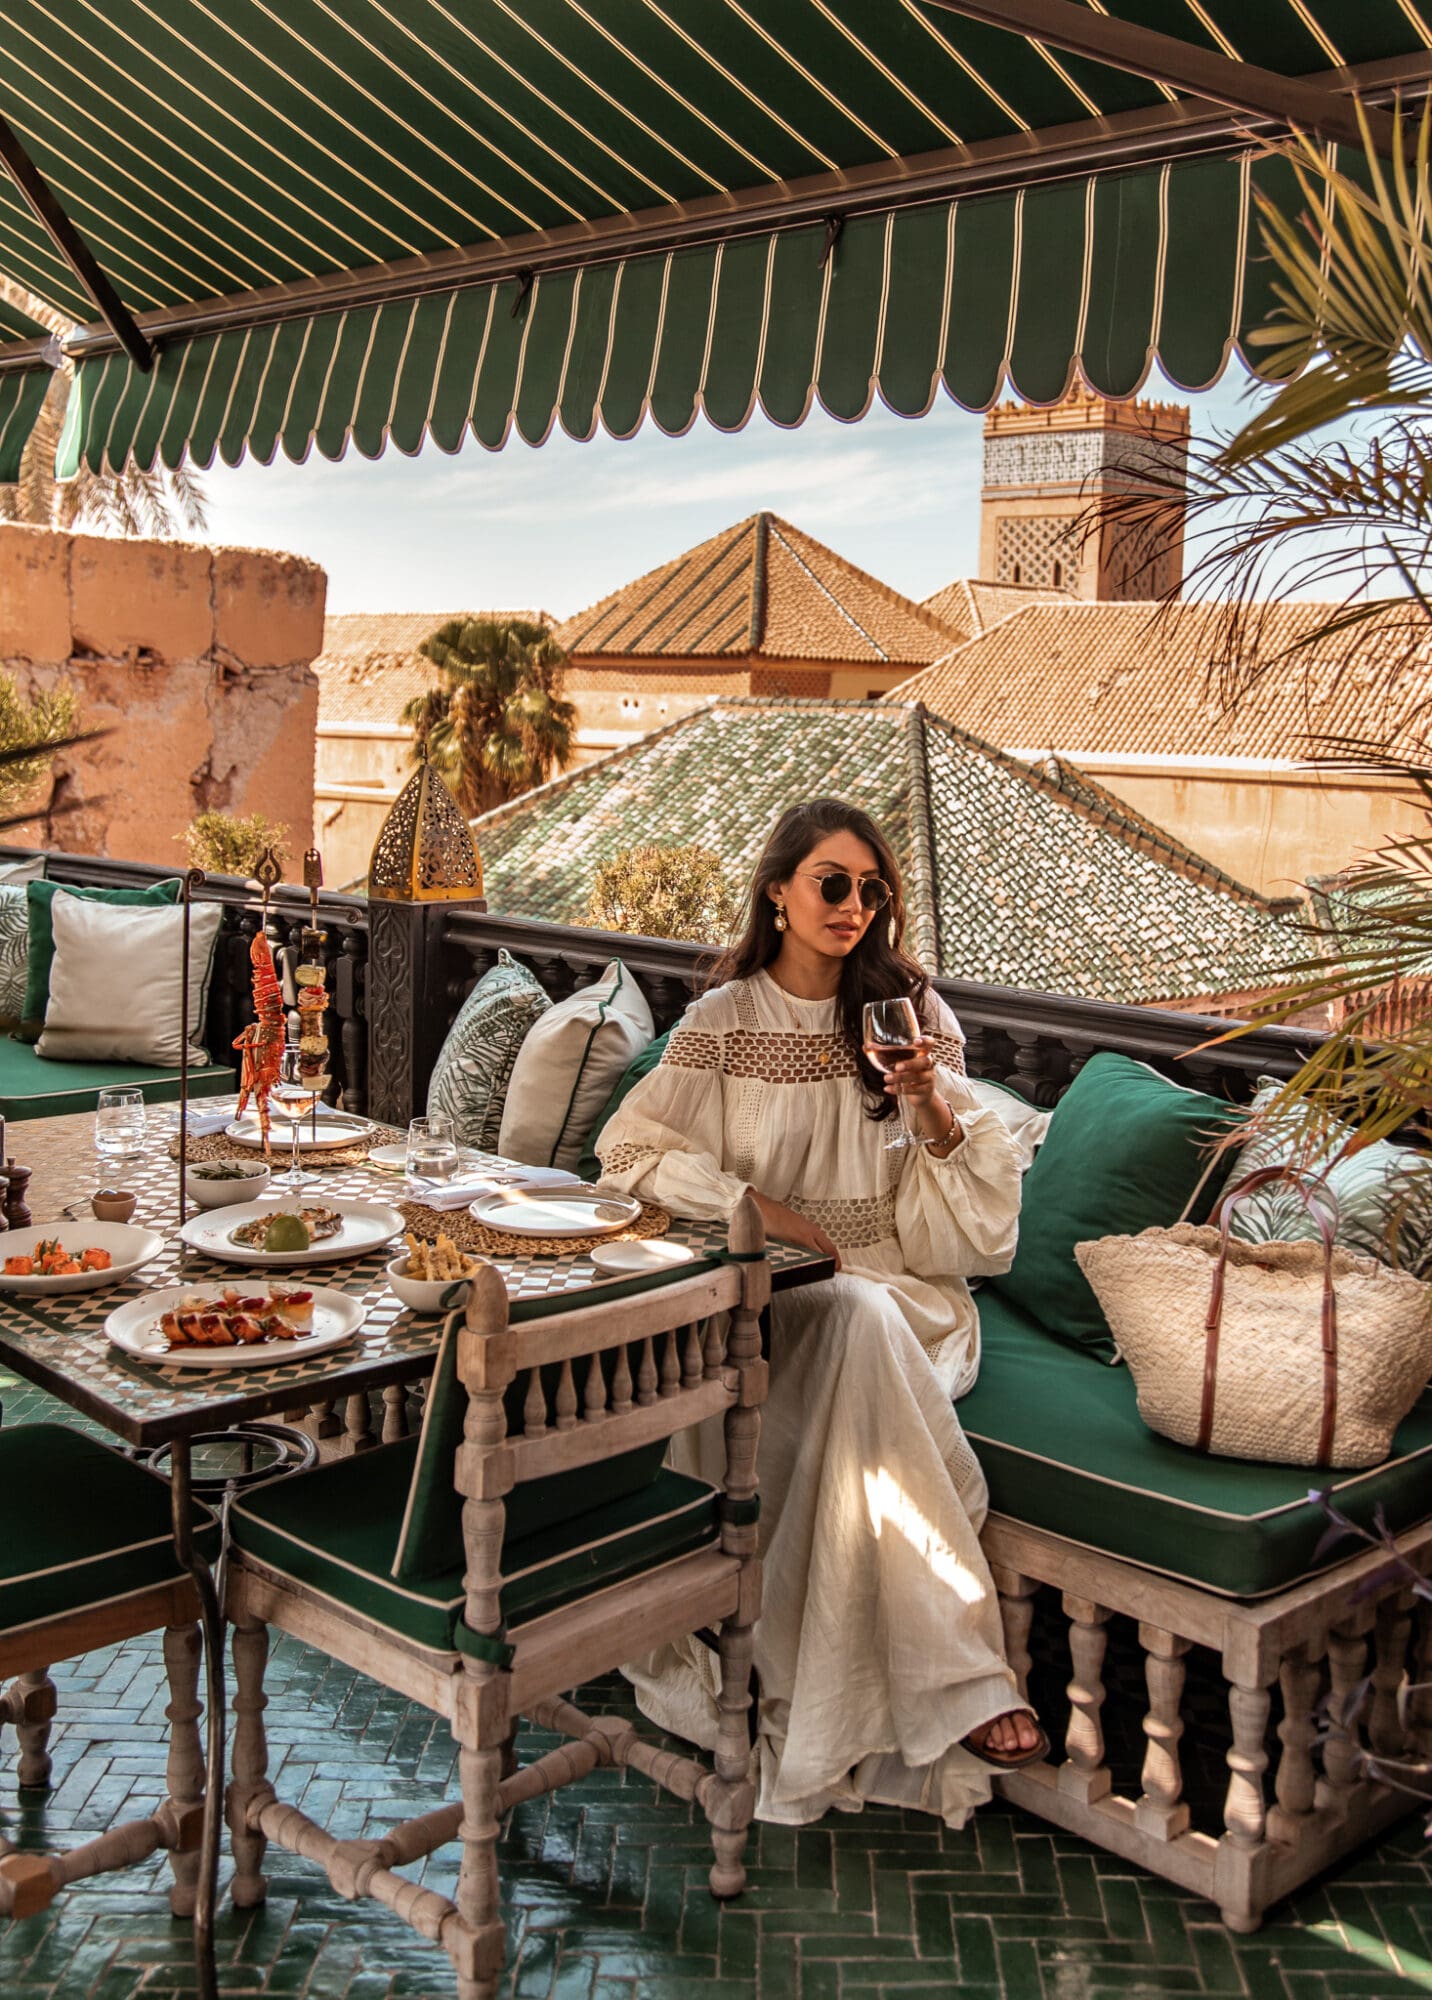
200,1123
459,1193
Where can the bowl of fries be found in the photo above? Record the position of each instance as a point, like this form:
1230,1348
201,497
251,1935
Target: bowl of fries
431,1277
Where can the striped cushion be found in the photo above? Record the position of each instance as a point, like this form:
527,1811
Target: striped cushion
335,1529
84,1526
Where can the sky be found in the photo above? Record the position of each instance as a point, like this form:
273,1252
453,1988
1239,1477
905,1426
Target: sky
557,526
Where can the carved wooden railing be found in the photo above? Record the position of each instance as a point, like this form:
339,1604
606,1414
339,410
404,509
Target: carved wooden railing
229,1008
1035,1042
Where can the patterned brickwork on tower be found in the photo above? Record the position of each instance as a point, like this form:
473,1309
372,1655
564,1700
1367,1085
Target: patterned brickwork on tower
1044,469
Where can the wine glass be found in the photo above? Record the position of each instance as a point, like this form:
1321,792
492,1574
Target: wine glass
432,1149
891,1035
293,1096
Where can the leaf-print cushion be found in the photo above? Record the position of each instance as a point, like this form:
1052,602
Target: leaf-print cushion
14,952
1384,1193
474,1065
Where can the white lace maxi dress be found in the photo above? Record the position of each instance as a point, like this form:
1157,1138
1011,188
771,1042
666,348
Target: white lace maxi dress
879,1645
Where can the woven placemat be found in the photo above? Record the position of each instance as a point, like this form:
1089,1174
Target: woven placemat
470,1234
214,1146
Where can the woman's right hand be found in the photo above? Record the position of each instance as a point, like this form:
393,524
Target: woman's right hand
789,1227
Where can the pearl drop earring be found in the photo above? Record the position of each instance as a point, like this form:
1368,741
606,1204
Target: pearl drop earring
780,916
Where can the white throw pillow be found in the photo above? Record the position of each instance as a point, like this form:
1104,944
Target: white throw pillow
115,987
32,870
573,1058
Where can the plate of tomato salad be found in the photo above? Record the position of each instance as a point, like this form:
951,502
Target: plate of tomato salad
82,1256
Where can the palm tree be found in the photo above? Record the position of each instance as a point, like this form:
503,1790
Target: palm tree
1351,518
498,724
129,502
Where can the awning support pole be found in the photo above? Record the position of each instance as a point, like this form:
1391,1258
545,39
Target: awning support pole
1078,31
73,248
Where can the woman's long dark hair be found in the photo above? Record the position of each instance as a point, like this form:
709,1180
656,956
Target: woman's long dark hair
879,968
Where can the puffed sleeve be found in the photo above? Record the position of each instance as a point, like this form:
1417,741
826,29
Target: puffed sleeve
666,1141
958,1217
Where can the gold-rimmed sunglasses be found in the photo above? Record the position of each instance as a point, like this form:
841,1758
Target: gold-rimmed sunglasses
874,894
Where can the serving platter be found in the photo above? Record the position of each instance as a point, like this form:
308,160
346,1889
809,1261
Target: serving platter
334,1128
134,1328
561,1211
366,1226
129,1246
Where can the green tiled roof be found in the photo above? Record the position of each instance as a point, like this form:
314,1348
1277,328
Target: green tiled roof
1016,874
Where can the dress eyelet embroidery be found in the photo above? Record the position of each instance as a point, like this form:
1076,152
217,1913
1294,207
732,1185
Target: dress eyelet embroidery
855,1223
620,1159
691,1048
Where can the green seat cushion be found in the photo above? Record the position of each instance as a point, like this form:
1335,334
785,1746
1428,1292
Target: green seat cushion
589,1166
39,897
84,1526
335,1529
1064,1448
1124,1152
429,1540
33,1087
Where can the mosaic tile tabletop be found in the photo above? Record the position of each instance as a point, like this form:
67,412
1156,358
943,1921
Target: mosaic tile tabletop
60,1342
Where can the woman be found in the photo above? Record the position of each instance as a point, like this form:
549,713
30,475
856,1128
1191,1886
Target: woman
879,1650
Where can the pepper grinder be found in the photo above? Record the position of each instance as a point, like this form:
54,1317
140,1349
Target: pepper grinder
17,1213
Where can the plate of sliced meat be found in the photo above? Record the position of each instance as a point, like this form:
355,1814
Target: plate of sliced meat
225,1326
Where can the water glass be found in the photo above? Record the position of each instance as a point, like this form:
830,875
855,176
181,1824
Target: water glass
432,1149
119,1123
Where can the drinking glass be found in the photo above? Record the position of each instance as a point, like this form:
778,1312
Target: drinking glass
119,1123
292,1097
432,1149
891,1035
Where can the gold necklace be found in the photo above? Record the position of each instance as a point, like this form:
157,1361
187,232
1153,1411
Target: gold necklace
822,1055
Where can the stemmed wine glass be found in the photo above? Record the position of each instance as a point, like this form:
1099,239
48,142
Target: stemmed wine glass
292,1097
892,1034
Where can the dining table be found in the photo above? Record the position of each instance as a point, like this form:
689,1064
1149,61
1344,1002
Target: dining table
60,1344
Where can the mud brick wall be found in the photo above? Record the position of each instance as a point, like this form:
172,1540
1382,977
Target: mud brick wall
197,659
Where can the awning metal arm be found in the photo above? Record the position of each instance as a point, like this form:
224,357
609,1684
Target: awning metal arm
1077,30
73,248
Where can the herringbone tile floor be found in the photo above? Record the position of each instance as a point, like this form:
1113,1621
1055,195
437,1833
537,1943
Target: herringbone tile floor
606,1884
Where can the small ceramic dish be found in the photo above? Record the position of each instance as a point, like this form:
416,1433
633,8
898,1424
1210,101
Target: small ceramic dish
113,1204
207,1190
426,1295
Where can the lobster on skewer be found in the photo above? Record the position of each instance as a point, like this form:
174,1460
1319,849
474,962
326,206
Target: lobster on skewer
262,1040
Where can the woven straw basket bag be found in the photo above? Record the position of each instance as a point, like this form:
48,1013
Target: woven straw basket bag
1293,1353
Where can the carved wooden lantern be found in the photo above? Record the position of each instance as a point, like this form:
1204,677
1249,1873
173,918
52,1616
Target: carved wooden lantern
424,852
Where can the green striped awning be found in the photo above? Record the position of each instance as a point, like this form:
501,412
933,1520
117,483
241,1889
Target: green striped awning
378,220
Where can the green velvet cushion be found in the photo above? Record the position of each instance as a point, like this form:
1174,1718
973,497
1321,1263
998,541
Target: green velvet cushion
1124,1151
83,1525
39,896
589,1166
1064,1448
429,1540
32,1087
335,1529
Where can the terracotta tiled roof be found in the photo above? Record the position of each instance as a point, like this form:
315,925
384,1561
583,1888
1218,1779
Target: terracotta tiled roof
370,666
1088,678
1017,875
764,589
970,606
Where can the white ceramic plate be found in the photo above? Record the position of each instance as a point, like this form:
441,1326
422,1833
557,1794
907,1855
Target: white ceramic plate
335,1128
126,1243
135,1328
366,1226
578,1211
627,1259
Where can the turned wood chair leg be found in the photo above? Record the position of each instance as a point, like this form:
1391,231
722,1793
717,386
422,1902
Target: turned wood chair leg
478,1941
249,1783
184,1772
29,1704
731,1813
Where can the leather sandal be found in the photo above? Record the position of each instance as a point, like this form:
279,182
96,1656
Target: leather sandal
1009,1760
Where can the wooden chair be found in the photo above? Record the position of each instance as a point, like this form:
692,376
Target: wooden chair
88,1560
569,1550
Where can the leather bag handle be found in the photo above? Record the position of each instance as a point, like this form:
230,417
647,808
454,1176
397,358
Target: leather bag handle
1213,1320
